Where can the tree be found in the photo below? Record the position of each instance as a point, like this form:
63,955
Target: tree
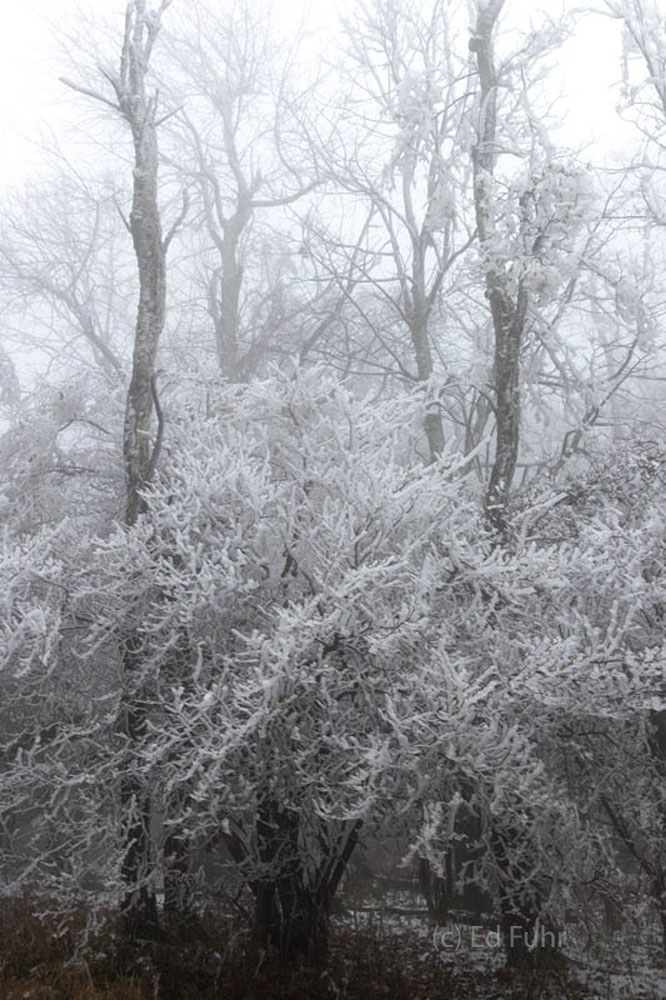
233,147
139,110
289,729
64,274
66,278
526,240
645,38
283,562
408,175
299,627
527,224
643,26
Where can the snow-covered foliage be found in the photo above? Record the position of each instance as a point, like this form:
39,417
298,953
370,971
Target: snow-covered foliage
279,586
59,451
644,57
322,628
553,204
330,601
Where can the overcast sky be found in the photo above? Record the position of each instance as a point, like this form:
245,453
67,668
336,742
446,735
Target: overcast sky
32,100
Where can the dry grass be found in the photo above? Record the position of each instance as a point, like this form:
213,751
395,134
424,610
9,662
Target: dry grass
35,965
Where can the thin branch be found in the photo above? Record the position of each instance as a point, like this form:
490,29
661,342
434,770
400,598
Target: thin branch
96,96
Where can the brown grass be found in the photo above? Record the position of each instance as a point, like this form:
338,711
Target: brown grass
35,964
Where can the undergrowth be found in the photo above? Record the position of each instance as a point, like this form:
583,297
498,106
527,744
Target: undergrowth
36,964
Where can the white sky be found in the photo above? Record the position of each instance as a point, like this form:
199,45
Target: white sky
32,100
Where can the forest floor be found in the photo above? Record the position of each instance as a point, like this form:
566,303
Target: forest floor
377,952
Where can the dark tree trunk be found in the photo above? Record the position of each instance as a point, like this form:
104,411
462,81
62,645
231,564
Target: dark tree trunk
458,889
529,939
435,889
659,897
658,747
424,367
139,905
288,920
179,885
658,735
292,901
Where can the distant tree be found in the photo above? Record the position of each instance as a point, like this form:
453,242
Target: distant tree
64,273
238,146
408,176
66,280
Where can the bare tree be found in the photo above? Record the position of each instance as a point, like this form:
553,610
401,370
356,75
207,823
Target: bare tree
645,38
529,231
408,173
139,109
64,272
508,311
234,147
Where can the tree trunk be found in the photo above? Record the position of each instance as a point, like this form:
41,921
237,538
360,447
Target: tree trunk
528,940
458,889
139,906
139,111
520,898
145,225
660,893
231,280
507,314
179,884
436,888
288,920
658,748
418,306
292,901
424,368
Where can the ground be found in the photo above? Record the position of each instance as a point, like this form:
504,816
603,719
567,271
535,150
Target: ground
383,947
